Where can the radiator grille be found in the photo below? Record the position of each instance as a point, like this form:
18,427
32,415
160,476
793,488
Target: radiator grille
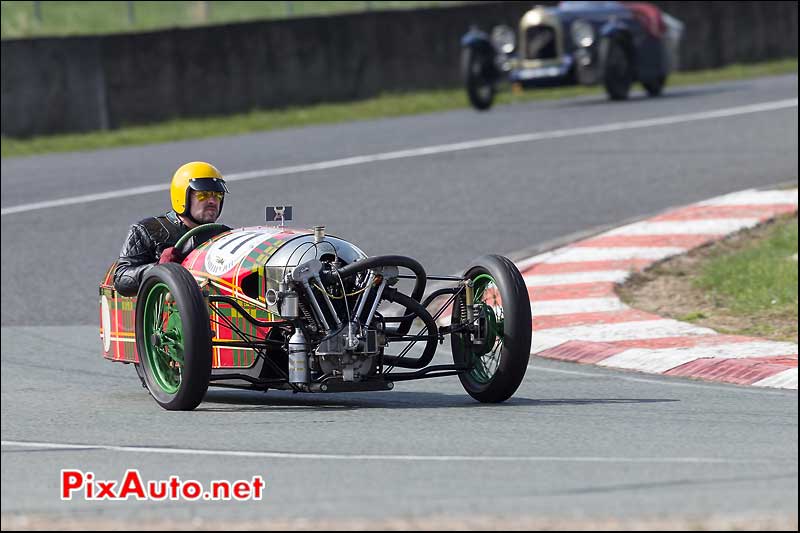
540,43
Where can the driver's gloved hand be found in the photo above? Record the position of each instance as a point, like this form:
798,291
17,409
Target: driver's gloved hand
169,255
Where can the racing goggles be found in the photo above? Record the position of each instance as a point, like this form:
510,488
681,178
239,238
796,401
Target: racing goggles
202,196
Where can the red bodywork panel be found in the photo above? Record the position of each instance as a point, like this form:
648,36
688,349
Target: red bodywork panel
220,267
648,16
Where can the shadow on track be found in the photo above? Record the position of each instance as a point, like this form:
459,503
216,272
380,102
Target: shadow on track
639,97
281,401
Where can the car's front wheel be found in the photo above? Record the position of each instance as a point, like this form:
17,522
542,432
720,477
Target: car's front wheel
173,337
140,372
498,349
480,86
655,87
618,69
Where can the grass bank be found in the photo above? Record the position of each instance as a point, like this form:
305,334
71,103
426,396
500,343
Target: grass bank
22,20
386,105
744,285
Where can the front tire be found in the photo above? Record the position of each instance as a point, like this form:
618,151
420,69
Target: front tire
140,372
480,87
654,87
618,70
173,337
498,363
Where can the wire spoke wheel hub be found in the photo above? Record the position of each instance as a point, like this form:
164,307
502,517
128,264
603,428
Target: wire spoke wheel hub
489,340
173,337
164,338
494,344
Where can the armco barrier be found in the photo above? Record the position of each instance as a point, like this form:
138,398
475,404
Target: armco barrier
53,85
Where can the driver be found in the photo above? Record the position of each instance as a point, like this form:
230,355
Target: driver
197,192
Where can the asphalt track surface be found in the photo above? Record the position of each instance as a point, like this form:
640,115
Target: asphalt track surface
575,442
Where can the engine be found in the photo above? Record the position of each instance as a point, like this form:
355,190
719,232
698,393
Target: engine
337,332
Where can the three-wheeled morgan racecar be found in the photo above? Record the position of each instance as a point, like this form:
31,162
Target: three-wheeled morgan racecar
610,43
275,308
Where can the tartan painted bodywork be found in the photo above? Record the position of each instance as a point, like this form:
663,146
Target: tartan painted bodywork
236,259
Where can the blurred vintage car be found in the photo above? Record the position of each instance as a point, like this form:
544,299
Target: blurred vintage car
611,43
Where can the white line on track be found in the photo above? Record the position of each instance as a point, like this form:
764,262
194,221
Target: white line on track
578,254
638,329
360,457
786,380
685,227
575,305
753,197
669,381
661,360
428,150
594,276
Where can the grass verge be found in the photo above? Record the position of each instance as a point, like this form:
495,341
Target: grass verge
743,285
64,17
385,105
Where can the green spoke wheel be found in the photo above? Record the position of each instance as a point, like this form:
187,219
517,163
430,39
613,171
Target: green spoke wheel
486,356
173,337
497,349
163,339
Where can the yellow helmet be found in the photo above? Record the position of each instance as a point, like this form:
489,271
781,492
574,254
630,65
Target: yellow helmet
197,176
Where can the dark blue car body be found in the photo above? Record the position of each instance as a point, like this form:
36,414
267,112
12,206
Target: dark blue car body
588,43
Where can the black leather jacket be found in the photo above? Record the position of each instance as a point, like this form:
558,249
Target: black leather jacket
143,246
